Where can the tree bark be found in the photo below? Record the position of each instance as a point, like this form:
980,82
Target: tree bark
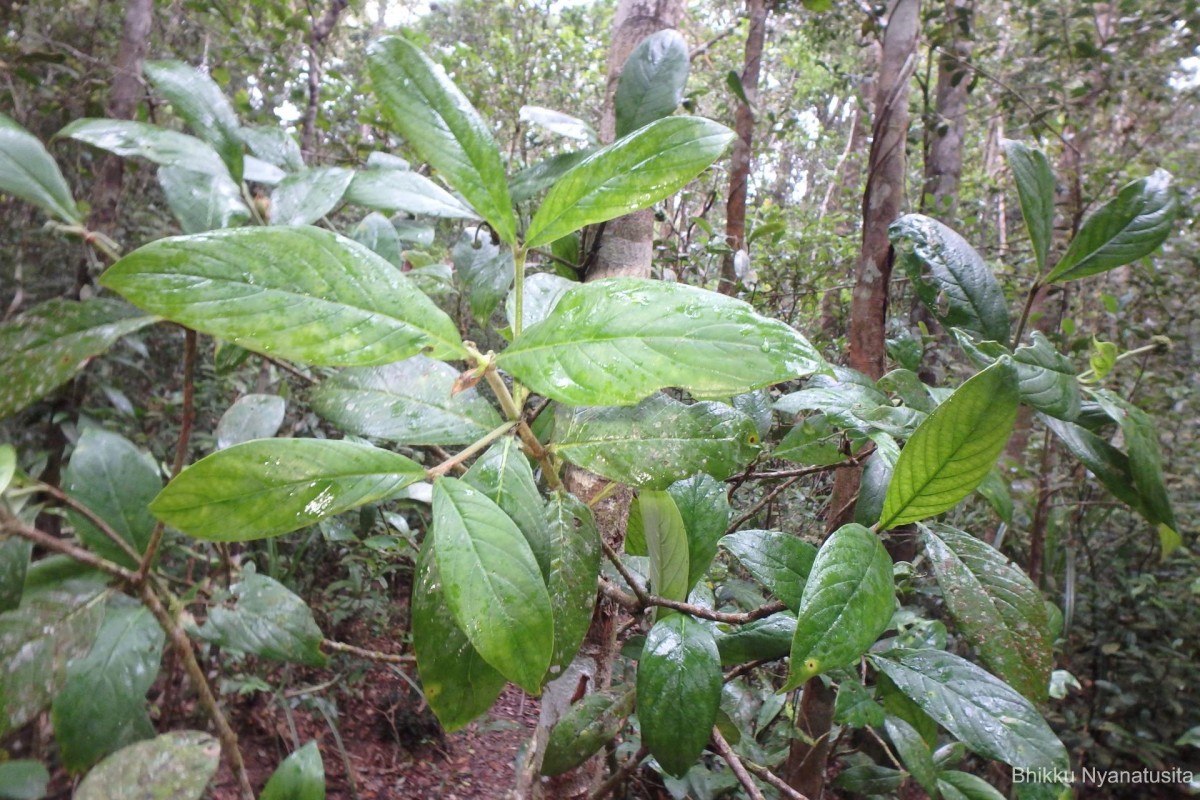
321,30
739,165
945,128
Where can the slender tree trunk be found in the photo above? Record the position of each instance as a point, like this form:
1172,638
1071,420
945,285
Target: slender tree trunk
321,30
739,166
805,769
945,130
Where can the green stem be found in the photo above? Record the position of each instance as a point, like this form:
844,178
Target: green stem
1083,377
478,447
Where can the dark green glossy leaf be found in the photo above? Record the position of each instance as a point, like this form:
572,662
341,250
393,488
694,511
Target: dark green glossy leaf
811,441
914,753
130,139
845,397
780,562
666,545
856,706
951,278
458,683
586,727
1046,377
267,620
410,402
1131,225
439,123
301,776
652,81
102,708
988,716
969,786
23,780
877,474
995,606
954,448
395,190
704,508
305,197
533,180
678,691
757,404
272,486
275,146
43,348
574,550
847,603
486,269
492,583
869,779
29,172
616,341
769,638
1035,187
559,123
174,766
198,100
657,442
503,474
51,628
14,565
202,201
634,172
542,292
252,416
117,481
301,293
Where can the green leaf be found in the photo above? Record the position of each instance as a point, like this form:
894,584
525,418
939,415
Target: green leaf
995,606
492,583
117,481
486,269
559,123
586,727
273,486
574,551
678,691
994,489
458,683
954,448
657,442
869,780
652,81
202,201
1035,187
395,190
988,716
542,292
1102,359
972,787
275,146
914,753
252,416
301,293
780,562
376,232
130,139
953,280
1131,225
51,628
504,475
666,544
442,126
856,706
769,638
633,172
410,402
617,341
267,620
847,603
198,100
846,396
102,708
533,180
14,565
23,780
811,441
259,171
174,766
1047,378
43,348
29,172
8,465
305,197
1110,466
704,508
301,776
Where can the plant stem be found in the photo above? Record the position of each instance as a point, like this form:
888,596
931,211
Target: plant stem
477,447
774,780
518,290
735,764
92,517
1033,291
644,600
513,412
621,775
10,524
370,655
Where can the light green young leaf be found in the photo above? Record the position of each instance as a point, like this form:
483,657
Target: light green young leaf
174,766
459,685
23,779
302,293
634,172
441,125
305,197
988,716
202,201
657,442
1131,225
252,416
614,342
394,190
102,707
198,100
652,81
267,620
780,562
130,139
43,348
492,583
486,269
666,544
678,691
954,448
1035,187
109,475
8,465
272,486
574,551
410,402
847,603
29,172
301,776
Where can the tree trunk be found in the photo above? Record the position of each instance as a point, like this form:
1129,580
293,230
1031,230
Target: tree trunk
321,30
739,165
805,769
945,128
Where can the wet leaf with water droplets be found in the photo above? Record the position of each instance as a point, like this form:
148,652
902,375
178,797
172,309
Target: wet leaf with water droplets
29,172
174,766
778,561
267,620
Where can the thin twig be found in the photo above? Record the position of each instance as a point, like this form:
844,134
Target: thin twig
766,499
645,600
735,764
92,517
800,472
14,526
620,776
370,655
286,367
773,779
477,447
